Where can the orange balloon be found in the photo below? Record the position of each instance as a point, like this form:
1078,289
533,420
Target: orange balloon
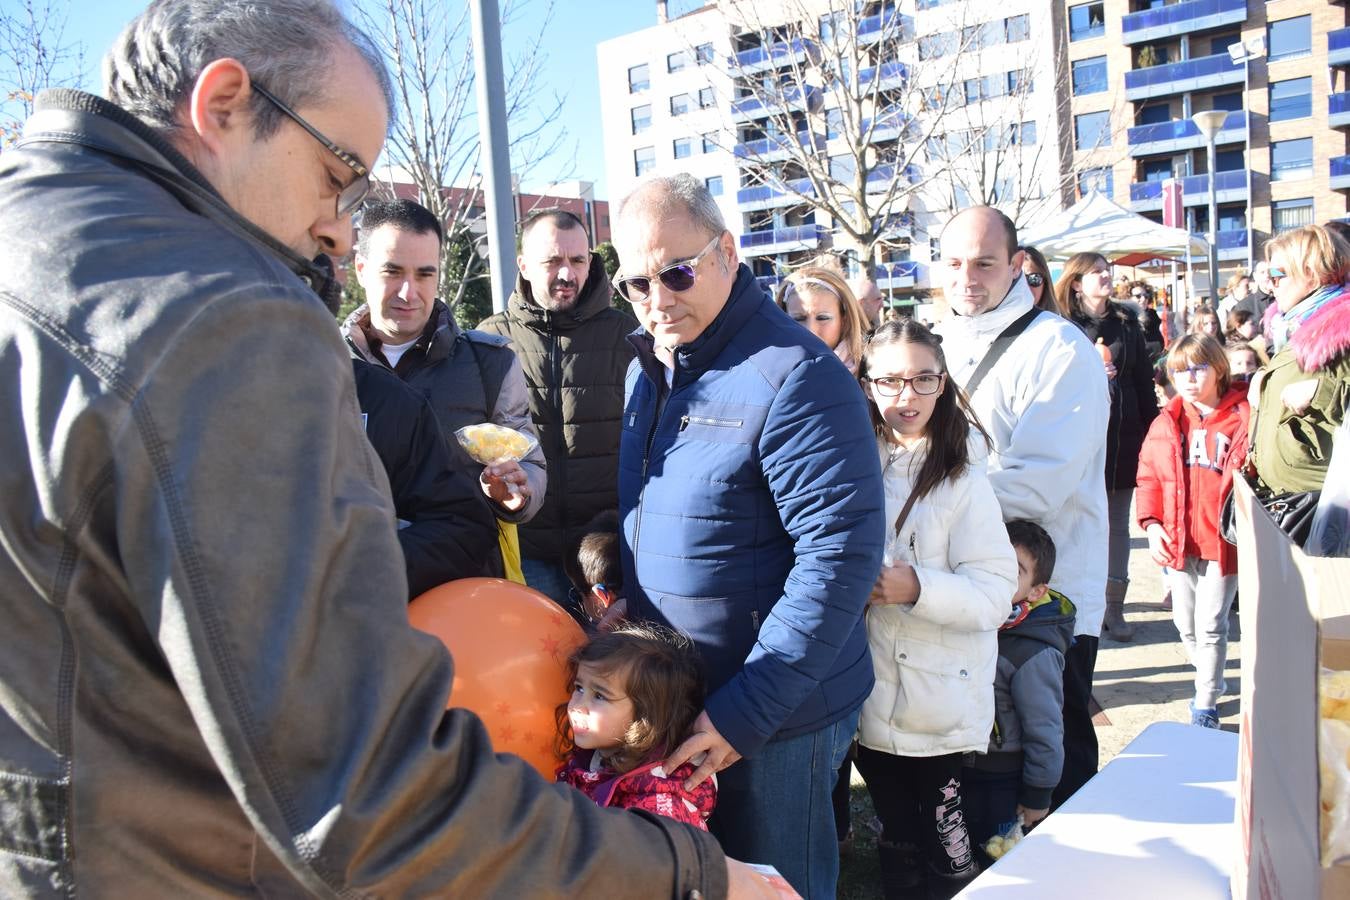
510,644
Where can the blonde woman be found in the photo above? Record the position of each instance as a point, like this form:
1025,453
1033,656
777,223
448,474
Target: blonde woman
822,303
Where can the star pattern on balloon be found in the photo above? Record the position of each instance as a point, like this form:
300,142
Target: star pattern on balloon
503,708
506,733
550,645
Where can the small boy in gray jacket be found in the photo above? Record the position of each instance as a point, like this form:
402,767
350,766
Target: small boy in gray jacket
1026,751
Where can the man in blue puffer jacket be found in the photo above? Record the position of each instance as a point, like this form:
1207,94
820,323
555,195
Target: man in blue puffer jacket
750,491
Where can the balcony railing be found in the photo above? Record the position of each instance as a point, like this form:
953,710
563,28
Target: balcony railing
1234,239
1338,47
872,27
1194,188
776,145
1338,109
796,234
1181,134
1194,15
791,98
761,193
772,55
1188,75
1340,173
887,72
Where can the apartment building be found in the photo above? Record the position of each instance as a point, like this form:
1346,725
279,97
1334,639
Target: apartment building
1140,69
687,94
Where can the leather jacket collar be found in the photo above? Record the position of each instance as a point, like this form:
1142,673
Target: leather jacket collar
74,117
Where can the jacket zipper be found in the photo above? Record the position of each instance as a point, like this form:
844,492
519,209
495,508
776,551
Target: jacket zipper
555,363
647,453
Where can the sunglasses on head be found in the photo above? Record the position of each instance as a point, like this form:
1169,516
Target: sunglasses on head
1035,279
678,277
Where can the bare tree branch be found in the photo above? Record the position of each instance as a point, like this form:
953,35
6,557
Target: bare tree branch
33,55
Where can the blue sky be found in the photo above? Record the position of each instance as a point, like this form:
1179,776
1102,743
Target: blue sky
576,27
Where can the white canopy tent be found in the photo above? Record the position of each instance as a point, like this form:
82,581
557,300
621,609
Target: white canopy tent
1096,225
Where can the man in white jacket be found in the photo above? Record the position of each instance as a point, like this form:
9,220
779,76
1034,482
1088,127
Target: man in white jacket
1045,403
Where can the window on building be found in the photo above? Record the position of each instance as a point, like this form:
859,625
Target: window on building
644,160
1230,160
1221,43
1229,102
1019,80
1289,38
1290,99
1155,114
1017,28
1289,214
1098,179
639,79
706,98
709,143
677,62
932,46
714,185
642,118
1089,75
1291,159
680,104
1156,169
703,54
1028,135
684,147
1092,130
1087,20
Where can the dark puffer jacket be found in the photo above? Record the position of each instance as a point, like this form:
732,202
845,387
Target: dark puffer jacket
574,363
753,517
469,377
1133,402
446,527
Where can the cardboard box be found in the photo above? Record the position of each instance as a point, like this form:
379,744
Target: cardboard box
1295,619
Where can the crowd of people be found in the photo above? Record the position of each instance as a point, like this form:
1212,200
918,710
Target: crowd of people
801,533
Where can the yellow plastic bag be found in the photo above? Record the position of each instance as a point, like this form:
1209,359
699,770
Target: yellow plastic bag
509,542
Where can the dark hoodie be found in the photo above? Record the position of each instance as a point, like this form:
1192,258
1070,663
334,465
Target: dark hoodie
1029,698
574,363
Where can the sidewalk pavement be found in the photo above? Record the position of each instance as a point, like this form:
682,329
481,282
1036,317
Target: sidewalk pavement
1149,679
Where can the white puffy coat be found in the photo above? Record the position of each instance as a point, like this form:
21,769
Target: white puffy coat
935,660
1046,405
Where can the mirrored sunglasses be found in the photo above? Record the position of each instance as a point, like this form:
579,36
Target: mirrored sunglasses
678,277
1035,279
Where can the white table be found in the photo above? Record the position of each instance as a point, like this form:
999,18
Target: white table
1157,822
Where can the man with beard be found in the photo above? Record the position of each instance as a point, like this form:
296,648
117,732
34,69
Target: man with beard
571,343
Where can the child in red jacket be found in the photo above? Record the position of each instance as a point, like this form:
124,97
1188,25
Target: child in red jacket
1186,469
636,692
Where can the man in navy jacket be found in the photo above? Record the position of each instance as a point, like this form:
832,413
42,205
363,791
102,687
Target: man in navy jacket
750,491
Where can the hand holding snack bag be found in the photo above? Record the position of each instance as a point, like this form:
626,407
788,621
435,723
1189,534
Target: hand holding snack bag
499,450
1006,839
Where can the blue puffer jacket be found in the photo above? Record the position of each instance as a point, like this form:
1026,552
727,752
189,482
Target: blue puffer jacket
752,510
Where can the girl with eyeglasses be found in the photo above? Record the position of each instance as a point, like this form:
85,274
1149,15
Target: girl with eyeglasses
948,577
1084,295
1190,456
1306,388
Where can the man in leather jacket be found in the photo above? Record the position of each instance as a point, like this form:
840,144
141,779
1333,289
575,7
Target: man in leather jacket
208,683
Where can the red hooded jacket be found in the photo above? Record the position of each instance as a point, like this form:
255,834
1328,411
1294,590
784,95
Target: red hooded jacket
647,787
1174,460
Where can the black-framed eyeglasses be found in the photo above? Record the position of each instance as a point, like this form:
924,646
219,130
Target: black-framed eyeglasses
678,276
350,197
1035,279
894,385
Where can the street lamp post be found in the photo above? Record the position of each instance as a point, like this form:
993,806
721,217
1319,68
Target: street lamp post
1209,122
1244,52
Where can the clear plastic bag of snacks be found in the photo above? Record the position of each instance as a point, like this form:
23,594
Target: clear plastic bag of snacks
1006,839
1333,760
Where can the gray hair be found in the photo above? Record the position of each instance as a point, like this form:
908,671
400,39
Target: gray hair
682,192
286,46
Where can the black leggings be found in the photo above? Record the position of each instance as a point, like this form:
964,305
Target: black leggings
909,791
